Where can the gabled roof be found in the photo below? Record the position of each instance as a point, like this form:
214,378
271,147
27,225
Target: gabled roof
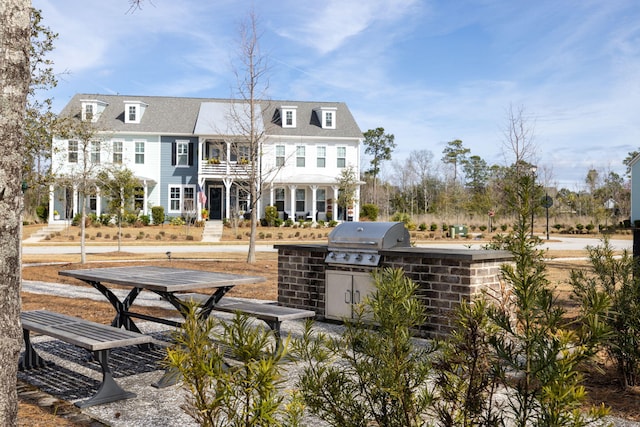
199,116
226,118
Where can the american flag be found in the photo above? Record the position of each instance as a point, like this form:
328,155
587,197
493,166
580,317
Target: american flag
201,196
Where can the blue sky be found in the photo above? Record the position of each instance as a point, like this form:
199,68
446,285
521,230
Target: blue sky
428,71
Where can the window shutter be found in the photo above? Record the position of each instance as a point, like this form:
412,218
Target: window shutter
190,153
173,153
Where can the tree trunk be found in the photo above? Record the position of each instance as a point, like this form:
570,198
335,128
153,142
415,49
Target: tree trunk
14,84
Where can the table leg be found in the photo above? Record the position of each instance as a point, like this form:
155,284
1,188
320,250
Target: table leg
121,307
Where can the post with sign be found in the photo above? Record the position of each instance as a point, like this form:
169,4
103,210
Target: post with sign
547,202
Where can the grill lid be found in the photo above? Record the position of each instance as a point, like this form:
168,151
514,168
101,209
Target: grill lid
368,236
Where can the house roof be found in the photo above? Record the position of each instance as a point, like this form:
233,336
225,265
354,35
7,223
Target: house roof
199,116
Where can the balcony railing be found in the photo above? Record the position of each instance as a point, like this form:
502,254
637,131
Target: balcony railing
224,169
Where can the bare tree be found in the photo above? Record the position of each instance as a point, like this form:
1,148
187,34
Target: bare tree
251,77
14,86
518,144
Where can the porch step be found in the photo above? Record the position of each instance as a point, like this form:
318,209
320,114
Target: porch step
212,231
46,231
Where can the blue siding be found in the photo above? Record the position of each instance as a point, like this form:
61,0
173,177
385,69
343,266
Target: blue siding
171,175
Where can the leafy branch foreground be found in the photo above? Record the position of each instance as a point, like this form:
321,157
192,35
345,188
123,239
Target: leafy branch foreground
501,366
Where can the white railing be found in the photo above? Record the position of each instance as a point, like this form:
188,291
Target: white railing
224,169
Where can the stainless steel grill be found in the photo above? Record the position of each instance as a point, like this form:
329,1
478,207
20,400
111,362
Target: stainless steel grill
359,243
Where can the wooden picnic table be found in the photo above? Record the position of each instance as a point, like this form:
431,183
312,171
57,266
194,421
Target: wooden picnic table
167,282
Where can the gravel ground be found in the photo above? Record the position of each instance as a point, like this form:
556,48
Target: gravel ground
152,406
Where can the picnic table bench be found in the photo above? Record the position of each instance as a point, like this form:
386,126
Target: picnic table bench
95,337
273,315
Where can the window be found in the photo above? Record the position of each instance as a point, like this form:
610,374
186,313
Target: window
95,152
182,153
243,154
300,155
321,157
117,152
88,112
288,116
175,196
321,200
243,201
93,203
138,198
300,194
279,155
280,199
133,113
182,198
189,199
328,119
73,152
342,157
139,148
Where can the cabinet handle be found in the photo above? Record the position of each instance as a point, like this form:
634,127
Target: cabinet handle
358,295
347,297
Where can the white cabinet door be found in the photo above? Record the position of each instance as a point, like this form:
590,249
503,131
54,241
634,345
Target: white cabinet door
343,289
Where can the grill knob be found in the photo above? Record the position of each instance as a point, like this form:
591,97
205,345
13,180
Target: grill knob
346,257
332,255
358,257
372,258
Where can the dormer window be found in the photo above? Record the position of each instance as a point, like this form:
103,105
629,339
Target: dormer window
133,111
91,109
328,117
288,116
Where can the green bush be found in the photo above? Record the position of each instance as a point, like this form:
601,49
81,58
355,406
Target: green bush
176,220
242,394
401,217
157,215
433,226
369,211
42,212
422,226
382,375
144,219
271,214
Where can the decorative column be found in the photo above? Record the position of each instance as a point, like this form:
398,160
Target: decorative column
336,190
227,197
292,198
98,202
314,203
52,206
145,194
75,202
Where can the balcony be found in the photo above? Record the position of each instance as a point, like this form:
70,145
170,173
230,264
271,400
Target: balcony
224,169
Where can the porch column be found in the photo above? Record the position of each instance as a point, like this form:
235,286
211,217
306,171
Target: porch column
98,202
356,205
51,202
145,194
314,203
75,203
334,214
271,196
292,199
227,197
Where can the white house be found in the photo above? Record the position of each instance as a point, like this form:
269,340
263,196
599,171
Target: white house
190,153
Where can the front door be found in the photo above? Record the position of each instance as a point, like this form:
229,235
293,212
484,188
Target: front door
215,203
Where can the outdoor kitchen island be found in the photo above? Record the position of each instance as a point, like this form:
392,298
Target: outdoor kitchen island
329,279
